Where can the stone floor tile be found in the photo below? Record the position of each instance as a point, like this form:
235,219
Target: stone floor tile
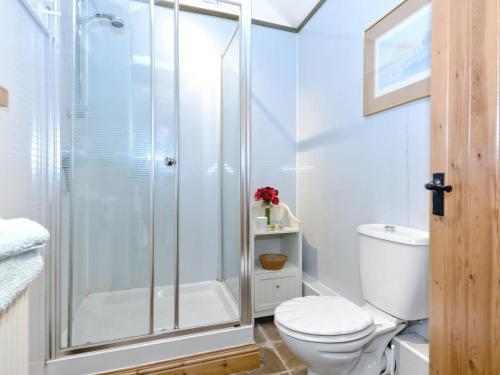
269,329
270,363
258,336
289,359
302,371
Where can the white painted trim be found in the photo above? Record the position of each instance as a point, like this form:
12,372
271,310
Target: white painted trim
411,353
313,287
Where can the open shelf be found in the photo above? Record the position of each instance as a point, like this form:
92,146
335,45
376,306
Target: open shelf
289,267
274,287
284,230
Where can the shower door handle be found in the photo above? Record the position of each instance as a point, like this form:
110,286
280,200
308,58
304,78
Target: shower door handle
169,161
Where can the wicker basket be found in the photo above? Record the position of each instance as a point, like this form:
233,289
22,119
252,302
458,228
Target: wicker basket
272,261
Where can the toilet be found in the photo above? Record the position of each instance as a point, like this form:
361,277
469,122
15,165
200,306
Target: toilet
334,336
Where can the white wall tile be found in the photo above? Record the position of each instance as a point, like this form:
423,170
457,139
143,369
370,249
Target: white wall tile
22,125
22,143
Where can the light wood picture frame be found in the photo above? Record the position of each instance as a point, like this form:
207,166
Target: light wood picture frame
398,57
4,97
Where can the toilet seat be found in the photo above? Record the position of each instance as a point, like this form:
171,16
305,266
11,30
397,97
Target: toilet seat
338,339
328,319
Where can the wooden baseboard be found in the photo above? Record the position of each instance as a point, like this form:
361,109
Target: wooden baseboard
221,362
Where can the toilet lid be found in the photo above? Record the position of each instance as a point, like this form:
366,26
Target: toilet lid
322,315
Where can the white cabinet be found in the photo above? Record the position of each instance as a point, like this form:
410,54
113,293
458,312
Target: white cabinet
275,287
270,288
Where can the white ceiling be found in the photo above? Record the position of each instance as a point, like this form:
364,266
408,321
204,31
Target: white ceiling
286,13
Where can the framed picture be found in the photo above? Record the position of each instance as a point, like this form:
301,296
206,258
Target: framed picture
398,57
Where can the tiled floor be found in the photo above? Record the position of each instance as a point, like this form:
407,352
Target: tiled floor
274,355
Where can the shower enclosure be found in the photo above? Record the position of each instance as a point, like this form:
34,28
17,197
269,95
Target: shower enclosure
152,173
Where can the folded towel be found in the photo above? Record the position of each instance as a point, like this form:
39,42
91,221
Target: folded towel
15,275
19,235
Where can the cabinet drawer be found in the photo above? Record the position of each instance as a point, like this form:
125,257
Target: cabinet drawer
270,290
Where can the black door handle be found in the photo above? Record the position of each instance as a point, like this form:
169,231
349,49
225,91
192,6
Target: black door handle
438,186
438,189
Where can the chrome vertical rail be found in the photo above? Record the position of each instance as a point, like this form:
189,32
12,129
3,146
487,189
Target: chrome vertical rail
220,151
153,168
245,105
176,188
220,171
77,50
52,324
52,207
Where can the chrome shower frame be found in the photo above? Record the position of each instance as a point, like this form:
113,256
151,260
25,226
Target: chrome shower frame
55,349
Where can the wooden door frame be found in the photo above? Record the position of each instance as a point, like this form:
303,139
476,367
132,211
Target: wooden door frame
464,324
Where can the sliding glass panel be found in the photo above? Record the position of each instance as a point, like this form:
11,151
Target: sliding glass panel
150,171
108,181
204,299
230,171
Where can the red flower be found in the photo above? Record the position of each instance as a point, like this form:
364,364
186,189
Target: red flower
268,195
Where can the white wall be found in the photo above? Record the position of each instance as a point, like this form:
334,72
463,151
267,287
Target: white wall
352,170
22,141
274,112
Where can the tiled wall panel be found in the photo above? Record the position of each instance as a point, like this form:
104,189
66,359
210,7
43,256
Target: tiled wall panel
23,143
22,124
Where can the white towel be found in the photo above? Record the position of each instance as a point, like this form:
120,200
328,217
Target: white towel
15,275
20,235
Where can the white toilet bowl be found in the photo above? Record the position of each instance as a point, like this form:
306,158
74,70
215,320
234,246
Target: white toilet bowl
333,336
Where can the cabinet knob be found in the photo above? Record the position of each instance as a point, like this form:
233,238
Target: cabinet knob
277,286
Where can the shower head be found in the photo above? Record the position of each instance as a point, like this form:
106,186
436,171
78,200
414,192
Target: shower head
114,20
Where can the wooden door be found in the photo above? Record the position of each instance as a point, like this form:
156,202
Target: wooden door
464,255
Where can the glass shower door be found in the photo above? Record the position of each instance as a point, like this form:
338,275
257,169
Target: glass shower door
151,198
116,183
208,244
